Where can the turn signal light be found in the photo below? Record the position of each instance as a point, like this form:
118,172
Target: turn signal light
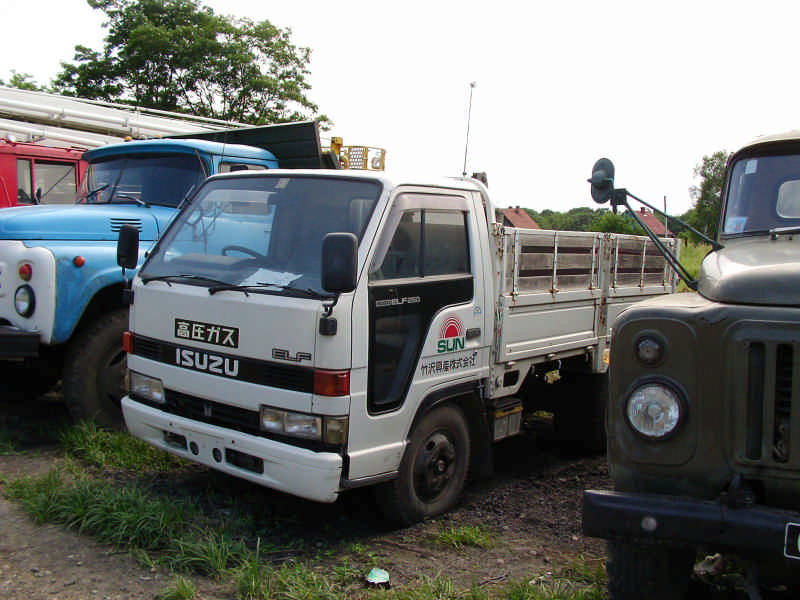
332,383
25,271
127,342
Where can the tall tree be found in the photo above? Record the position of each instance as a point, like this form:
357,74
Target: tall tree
23,81
179,55
704,216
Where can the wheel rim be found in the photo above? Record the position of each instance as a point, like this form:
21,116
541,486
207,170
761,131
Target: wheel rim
110,384
434,467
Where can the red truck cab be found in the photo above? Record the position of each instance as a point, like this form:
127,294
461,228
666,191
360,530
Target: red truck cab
36,174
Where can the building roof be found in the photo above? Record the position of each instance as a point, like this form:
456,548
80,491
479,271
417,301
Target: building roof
518,217
653,222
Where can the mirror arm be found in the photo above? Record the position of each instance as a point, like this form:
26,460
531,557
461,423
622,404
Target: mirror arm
715,245
621,198
328,307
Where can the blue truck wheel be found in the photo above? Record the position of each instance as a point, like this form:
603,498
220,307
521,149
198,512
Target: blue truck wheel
94,370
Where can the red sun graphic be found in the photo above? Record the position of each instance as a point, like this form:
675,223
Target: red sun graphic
452,327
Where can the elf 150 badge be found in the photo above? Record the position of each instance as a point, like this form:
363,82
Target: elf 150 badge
451,335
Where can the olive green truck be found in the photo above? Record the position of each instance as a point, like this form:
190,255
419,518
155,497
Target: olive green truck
703,437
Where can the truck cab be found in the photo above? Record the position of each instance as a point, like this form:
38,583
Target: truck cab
38,174
61,309
703,438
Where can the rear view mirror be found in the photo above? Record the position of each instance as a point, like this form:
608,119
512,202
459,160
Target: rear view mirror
339,262
128,247
602,181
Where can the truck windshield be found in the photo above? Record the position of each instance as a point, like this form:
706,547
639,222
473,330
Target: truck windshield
263,231
163,179
763,194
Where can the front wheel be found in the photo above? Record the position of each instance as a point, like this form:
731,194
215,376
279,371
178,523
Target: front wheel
94,371
433,471
641,570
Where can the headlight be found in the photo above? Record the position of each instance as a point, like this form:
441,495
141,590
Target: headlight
300,425
654,410
25,301
146,388
649,350
331,430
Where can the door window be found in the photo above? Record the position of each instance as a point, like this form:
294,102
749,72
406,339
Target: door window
24,181
426,243
56,183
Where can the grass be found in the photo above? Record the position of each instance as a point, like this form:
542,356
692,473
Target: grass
691,257
181,588
134,504
464,536
113,450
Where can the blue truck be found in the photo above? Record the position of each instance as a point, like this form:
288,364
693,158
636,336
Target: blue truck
62,313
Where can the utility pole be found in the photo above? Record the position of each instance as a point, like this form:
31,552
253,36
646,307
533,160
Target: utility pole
469,116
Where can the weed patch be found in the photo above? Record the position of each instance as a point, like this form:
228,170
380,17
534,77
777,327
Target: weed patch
181,588
115,450
464,536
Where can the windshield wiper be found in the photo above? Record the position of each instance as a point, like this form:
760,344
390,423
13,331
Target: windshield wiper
776,231
96,190
264,287
184,276
128,198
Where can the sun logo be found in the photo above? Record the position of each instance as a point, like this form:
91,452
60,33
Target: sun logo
451,335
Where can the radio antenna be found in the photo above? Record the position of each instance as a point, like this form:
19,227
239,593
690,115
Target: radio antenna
469,116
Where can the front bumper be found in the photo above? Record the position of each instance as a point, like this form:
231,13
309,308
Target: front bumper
16,343
753,530
305,473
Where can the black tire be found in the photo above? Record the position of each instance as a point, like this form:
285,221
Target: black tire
433,471
640,570
94,371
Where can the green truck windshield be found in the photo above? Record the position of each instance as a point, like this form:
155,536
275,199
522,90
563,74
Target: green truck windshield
261,231
763,194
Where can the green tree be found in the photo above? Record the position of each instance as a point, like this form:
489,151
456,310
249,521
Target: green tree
23,81
178,55
606,221
704,216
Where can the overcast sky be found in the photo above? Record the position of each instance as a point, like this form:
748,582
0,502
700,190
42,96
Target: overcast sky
653,86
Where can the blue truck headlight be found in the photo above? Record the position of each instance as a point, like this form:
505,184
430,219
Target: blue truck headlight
25,301
146,388
655,410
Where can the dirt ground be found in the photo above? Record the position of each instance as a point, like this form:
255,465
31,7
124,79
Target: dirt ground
532,506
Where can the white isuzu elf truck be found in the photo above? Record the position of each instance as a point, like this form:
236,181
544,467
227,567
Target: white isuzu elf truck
319,331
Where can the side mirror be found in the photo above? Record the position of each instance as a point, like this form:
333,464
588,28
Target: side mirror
128,247
602,181
339,262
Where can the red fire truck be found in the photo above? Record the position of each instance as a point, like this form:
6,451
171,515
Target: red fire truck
37,174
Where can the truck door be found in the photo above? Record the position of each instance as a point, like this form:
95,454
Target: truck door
422,265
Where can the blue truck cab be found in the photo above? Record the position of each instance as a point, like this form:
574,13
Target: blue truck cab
61,303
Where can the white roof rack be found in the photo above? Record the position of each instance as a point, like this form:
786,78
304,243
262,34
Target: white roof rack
59,120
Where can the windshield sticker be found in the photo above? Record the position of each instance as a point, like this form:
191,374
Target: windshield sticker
735,224
282,183
751,166
269,277
207,332
449,365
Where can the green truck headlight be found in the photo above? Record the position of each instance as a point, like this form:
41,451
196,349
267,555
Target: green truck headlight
649,350
146,388
654,410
